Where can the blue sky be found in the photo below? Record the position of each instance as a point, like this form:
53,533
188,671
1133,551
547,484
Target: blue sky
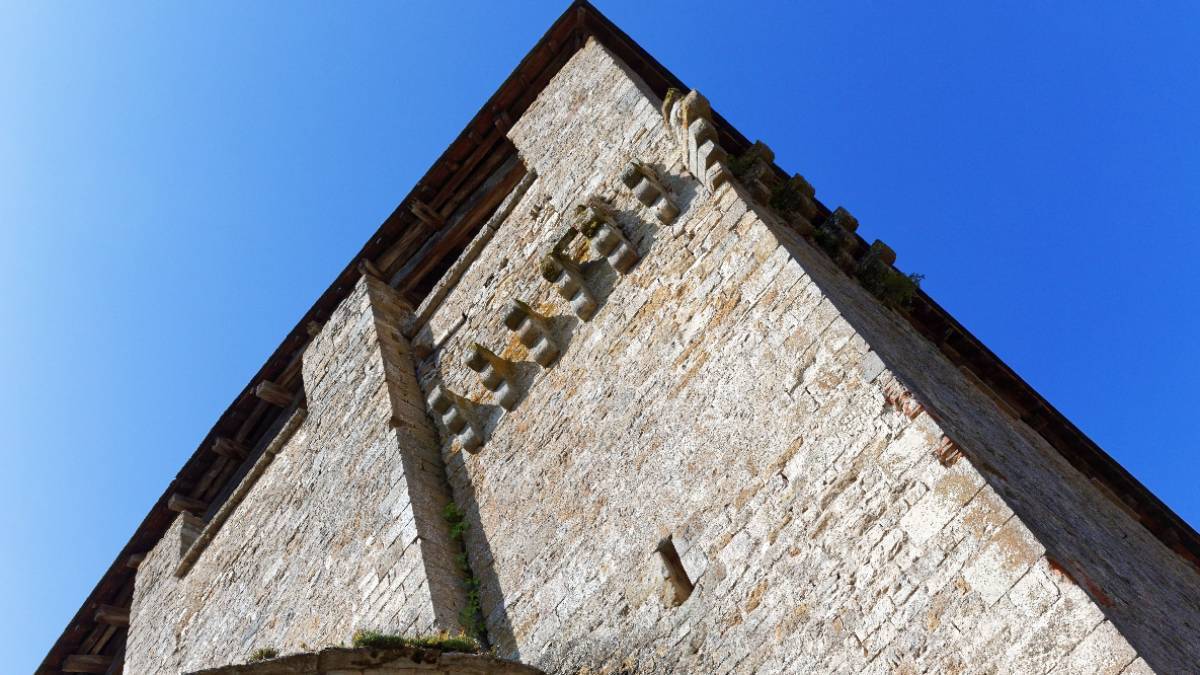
179,182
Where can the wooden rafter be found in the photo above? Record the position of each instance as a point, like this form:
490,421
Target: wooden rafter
86,663
179,503
273,393
112,615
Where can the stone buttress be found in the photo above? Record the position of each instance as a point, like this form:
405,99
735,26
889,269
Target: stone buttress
342,531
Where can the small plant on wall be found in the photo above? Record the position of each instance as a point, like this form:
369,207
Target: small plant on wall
264,654
893,288
443,642
471,616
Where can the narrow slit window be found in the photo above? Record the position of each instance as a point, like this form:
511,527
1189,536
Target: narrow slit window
680,585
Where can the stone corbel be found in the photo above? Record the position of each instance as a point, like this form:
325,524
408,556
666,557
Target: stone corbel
836,236
496,375
568,280
796,197
691,117
597,223
755,170
457,416
533,330
880,254
649,190
877,273
793,199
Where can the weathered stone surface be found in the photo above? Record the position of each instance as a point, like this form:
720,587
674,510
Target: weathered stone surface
739,392
366,661
841,496
343,531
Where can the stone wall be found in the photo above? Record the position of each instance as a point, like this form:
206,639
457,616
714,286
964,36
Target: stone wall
367,661
738,395
1077,534
342,532
741,462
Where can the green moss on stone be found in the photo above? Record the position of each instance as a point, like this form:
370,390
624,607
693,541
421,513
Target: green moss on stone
444,642
471,616
264,654
893,288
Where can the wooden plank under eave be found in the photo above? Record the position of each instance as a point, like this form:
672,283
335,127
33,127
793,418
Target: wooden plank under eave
429,255
432,219
95,640
247,426
502,153
408,242
229,448
106,634
273,393
485,147
86,663
180,503
113,615
211,478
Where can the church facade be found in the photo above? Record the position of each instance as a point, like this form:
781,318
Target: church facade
611,392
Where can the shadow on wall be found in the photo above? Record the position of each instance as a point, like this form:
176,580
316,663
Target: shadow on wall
639,223
482,562
480,559
1132,578
642,229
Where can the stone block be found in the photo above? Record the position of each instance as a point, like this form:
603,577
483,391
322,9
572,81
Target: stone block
457,416
568,281
533,330
496,374
1010,552
939,506
1103,652
597,223
649,190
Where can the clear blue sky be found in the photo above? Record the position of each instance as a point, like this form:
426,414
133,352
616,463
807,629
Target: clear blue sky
180,181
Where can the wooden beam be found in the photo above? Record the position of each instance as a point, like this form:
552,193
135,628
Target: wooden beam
465,182
368,269
113,615
181,503
428,216
96,640
211,480
135,560
502,120
86,663
227,447
273,393
483,146
482,203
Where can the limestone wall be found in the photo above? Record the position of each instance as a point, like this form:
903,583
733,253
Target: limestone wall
841,497
738,394
366,661
343,531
